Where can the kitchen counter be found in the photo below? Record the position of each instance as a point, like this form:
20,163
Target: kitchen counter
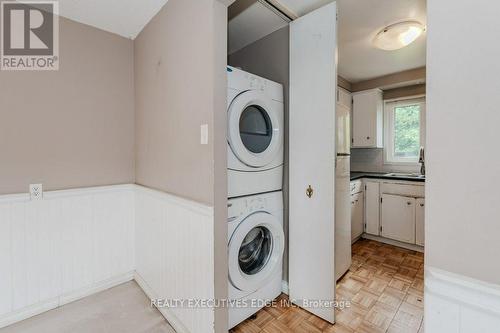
384,175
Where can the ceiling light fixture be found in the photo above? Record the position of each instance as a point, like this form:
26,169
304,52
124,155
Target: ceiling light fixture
398,35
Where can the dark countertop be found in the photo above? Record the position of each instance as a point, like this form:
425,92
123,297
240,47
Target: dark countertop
383,175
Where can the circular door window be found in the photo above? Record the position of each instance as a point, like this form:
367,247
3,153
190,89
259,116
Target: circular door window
255,251
254,132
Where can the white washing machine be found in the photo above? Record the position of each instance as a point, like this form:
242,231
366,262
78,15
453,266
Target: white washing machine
255,134
255,250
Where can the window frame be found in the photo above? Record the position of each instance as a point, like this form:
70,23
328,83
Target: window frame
389,106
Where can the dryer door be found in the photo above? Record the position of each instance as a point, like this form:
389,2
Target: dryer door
254,132
255,251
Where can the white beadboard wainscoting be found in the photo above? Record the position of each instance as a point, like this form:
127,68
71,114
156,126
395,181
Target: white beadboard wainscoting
459,304
73,243
68,245
174,256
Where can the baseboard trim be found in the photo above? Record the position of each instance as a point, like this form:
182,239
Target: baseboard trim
166,313
284,287
384,240
36,309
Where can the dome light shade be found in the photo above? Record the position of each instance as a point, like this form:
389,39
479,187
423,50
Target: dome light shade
398,35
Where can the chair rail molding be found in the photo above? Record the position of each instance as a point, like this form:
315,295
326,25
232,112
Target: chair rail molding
459,304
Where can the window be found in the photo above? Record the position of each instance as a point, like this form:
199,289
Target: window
404,130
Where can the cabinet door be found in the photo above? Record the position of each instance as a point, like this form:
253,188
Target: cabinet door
344,98
367,119
356,215
398,218
420,222
372,208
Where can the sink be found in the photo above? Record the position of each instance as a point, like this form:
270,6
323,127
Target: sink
406,175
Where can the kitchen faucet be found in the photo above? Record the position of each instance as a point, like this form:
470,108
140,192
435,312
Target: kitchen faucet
421,160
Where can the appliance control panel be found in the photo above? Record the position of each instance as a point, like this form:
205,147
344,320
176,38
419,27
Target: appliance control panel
240,206
256,82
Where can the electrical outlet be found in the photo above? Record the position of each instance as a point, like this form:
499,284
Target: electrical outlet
36,191
204,134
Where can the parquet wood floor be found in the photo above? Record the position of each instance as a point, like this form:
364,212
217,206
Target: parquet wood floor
384,285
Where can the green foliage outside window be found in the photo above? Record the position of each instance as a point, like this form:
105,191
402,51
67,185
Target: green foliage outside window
407,131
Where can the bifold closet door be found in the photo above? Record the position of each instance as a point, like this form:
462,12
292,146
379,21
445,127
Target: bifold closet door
313,81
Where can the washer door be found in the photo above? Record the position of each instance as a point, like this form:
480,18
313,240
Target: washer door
254,132
255,251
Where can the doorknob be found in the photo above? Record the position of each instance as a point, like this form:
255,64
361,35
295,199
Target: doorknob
309,191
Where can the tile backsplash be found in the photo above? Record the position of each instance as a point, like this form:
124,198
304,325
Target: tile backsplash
372,160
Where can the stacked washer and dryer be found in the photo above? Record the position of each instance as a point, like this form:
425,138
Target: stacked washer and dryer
255,181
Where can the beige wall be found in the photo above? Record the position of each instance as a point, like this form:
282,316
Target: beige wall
73,127
180,70
174,95
89,112
408,77
220,160
269,58
463,214
414,90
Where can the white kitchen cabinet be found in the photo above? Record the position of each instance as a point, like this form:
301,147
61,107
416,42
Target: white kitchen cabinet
372,208
367,122
398,218
419,221
344,98
357,207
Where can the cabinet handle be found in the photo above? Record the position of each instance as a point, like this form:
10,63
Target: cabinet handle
421,205
357,200
408,203
367,138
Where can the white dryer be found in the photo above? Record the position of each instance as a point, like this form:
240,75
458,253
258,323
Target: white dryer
255,249
255,134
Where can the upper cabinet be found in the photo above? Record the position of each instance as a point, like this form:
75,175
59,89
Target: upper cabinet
343,110
344,98
367,119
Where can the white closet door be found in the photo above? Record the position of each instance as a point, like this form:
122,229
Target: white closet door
313,82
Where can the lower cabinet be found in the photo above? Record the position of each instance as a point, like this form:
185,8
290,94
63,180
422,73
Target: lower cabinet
357,215
398,218
419,220
392,210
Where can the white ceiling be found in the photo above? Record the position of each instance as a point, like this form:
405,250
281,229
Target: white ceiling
302,7
252,24
358,22
123,17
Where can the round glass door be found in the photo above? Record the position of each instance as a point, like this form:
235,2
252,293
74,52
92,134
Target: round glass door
256,130
255,250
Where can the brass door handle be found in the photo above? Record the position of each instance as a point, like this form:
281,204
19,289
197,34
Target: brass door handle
309,191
